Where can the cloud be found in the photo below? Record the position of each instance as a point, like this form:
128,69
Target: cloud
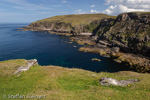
92,6
8,14
121,6
23,8
43,12
80,12
24,5
56,5
95,11
64,1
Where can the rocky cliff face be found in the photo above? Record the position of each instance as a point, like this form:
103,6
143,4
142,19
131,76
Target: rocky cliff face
129,31
75,24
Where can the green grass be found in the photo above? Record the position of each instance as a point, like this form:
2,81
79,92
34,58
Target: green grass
59,83
77,19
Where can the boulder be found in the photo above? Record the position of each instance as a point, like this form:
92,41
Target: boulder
111,81
27,67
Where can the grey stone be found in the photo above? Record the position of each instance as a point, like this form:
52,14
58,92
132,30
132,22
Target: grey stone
111,81
25,68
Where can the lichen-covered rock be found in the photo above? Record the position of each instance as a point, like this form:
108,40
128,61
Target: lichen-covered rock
129,31
111,81
27,67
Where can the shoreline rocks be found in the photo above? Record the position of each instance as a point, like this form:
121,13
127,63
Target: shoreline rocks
96,59
134,62
82,40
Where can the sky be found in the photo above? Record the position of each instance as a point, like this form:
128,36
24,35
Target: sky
33,10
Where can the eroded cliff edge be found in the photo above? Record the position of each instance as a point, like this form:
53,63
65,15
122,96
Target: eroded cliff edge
74,24
130,32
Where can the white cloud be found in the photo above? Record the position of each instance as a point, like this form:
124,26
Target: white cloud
24,5
121,6
80,12
92,6
64,1
23,8
94,11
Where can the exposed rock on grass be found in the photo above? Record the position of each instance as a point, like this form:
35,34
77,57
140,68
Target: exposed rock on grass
27,67
111,81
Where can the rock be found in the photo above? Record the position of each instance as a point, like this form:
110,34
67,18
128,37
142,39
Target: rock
111,81
117,60
74,46
115,49
94,75
95,59
103,42
25,68
80,39
132,61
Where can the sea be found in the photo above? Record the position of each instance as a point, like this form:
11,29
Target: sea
49,49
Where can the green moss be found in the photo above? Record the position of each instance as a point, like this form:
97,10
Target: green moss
147,44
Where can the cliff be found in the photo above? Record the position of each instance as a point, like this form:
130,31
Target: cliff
84,23
129,31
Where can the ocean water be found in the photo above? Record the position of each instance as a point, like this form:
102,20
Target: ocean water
49,49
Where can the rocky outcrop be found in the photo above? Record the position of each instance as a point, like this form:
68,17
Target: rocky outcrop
96,59
129,31
27,67
111,81
74,24
80,39
132,61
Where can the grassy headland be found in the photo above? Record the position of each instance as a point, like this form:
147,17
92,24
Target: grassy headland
70,23
59,83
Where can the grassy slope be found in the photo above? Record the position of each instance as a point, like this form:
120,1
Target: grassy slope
82,23
59,83
75,20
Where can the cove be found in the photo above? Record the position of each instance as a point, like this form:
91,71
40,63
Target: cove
49,49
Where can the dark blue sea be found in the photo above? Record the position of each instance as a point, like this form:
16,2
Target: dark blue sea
49,49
